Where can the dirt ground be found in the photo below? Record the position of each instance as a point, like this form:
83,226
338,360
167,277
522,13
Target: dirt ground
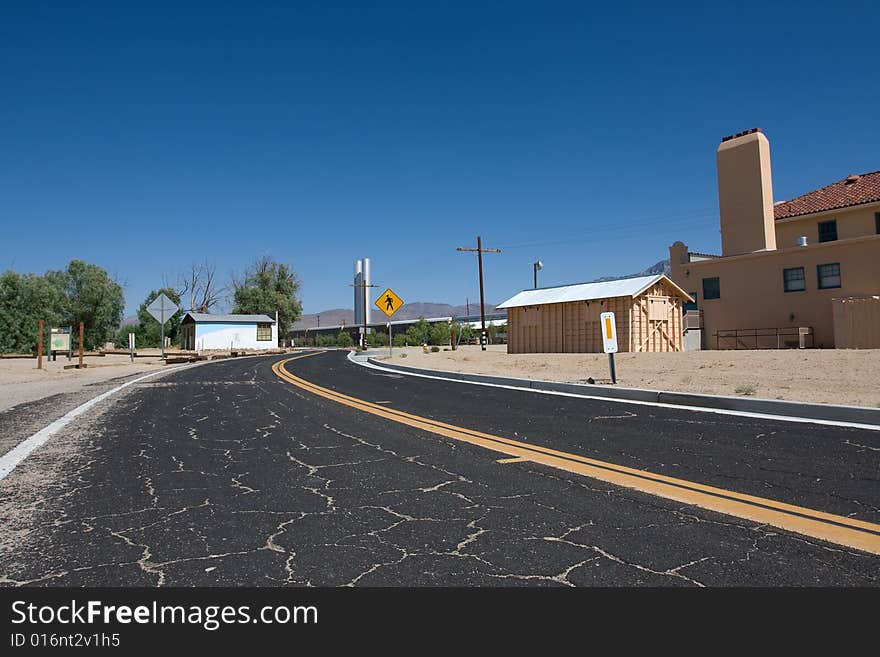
21,381
828,376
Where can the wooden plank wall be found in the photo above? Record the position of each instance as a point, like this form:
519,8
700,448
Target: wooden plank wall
565,327
657,335
856,322
574,327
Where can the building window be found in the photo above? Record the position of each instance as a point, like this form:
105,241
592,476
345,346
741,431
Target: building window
829,275
877,222
794,280
264,332
828,231
711,288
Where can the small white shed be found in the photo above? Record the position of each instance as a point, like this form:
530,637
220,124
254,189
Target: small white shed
201,331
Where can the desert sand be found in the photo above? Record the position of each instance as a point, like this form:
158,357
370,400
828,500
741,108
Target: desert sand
21,381
827,376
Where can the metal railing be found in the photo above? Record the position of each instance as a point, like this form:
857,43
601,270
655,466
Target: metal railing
788,337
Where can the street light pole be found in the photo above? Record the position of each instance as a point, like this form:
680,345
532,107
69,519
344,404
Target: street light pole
537,266
480,250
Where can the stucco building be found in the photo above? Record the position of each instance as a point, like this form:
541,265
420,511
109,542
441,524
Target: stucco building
810,265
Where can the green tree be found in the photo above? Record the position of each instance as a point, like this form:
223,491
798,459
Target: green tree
268,286
377,339
492,332
93,298
466,333
419,332
25,299
343,339
439,333
149,332
121,340
400,340
81,293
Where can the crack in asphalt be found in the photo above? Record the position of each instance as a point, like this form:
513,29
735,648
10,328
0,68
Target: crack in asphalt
190,485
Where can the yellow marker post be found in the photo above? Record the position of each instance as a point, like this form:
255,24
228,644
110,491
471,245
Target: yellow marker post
609,341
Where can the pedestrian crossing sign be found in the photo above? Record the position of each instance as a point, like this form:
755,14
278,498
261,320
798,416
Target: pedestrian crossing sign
389,303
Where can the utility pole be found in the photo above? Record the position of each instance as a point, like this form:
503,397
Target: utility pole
480,251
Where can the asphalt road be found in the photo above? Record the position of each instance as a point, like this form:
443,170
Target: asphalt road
225,474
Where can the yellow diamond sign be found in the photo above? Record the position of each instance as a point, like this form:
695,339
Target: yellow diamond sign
388,302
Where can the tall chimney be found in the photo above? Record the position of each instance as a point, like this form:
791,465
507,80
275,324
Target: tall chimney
745,193
358,292
365,293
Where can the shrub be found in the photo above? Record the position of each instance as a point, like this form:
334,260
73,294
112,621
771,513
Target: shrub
121,339
419,332
377,339
439,333
466,333
343,339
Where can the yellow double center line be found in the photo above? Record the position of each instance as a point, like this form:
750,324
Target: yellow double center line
809,522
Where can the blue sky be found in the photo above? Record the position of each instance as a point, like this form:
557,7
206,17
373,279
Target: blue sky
144,137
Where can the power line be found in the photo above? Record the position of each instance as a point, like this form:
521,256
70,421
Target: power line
633,226
607,236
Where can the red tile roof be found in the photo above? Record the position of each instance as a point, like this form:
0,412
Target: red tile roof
852,190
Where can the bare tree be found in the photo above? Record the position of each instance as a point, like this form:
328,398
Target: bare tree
198,287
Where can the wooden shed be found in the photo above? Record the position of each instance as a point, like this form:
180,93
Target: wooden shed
565,319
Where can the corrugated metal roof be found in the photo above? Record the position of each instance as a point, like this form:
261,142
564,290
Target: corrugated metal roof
625,287
230,319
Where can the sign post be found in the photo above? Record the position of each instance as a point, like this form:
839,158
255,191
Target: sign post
609,340
40,347
131,346
162,309
80,366
59,340
389,303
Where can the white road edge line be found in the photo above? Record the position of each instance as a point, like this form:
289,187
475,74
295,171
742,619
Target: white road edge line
11,459
559,393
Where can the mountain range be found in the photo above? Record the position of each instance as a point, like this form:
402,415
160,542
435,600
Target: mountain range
338,316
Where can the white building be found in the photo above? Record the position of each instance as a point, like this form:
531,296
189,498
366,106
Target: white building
200,331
